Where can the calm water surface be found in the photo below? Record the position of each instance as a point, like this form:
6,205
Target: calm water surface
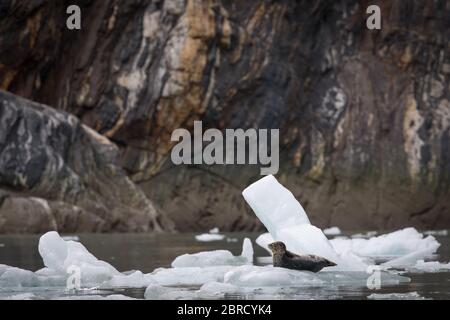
147,252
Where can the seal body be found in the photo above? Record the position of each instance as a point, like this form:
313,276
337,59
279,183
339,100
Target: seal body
285,259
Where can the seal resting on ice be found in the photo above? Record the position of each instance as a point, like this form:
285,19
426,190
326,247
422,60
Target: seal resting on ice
284,259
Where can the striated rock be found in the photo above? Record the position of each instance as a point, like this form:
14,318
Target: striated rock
364,114
56,174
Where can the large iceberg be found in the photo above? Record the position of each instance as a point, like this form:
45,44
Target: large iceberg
286,221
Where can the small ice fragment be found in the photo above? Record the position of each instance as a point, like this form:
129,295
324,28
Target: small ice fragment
431,266
157,292
71,238
396,296
20,296
207,237
96,297
190,276
134,280
409,259
368,234
2,245
264,240
214,231
218,288
232,240
12,277
333,231
247,250
216,258
252,276
441,233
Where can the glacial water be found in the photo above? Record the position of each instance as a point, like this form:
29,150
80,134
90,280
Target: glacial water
147,252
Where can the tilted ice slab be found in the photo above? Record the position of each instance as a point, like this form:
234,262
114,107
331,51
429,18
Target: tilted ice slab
216,258
286,221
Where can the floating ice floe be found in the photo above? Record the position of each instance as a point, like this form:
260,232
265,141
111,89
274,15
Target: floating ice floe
439,233
216,258
396,296
286,221
62,258
392,245
333,231
212,280
72,238
214,230
430,266
20,296
215,274
96,297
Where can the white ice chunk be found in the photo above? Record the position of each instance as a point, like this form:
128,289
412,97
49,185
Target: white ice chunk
191,276
214,230
207,237
396,296
218,288
96,297
136,279
247,251
63,257
409,259
71,238
20,296
252,276
431,266
216,258
333,231
268,276
12,277
157,292
391,245
274,205
440,233
264,240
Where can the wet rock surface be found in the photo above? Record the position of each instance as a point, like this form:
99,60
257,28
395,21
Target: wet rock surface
57,174
364,114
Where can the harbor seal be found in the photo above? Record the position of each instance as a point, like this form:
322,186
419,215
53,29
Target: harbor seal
284,259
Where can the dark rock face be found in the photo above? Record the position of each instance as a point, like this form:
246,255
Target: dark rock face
364,116
56,173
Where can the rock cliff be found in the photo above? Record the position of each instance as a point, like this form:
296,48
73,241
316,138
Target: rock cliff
364,115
